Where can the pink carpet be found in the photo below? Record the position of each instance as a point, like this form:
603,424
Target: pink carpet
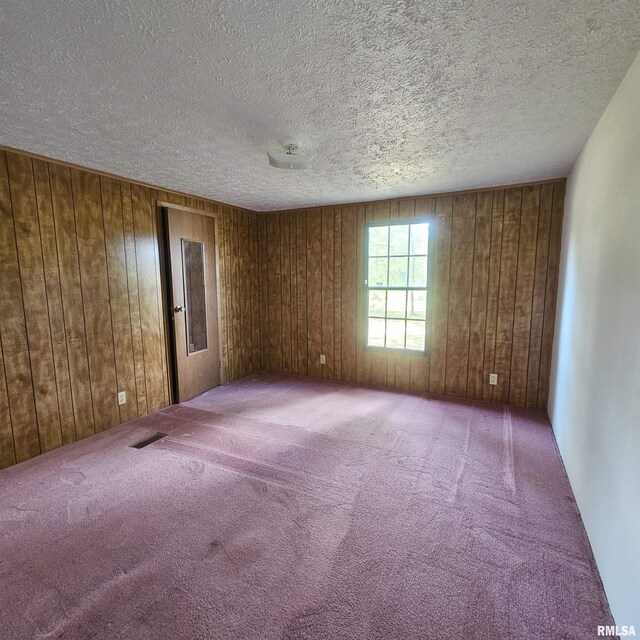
293,508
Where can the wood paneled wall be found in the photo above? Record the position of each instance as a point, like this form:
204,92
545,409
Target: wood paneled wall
491,299
82,294
82,315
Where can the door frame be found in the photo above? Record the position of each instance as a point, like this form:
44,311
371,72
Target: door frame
163,207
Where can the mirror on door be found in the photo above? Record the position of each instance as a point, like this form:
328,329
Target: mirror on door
195,295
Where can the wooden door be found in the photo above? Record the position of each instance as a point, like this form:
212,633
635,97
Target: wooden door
192,255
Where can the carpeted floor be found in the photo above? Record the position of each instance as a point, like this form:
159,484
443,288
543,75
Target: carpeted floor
294,508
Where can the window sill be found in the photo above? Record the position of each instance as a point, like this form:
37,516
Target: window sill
406,352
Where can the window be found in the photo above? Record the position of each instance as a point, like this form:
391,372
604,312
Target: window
396,285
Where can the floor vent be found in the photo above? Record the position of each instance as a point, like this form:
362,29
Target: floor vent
148,441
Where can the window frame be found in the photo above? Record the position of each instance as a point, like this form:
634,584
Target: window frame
392,223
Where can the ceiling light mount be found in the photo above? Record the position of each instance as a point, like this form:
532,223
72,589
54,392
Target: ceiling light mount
291,148
289,156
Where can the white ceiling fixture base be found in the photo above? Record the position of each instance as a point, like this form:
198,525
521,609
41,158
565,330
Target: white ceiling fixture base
289,156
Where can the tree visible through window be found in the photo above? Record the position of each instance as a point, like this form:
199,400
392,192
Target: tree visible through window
396,285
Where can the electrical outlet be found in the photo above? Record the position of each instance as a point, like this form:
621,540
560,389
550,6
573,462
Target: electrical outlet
323,359
122,397
493,378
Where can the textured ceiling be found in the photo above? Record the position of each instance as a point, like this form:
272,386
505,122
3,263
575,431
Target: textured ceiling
392,97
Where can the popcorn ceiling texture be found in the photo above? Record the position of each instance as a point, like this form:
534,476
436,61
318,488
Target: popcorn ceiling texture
393,98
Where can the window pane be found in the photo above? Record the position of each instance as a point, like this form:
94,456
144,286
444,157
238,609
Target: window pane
194,293
377,303
397,260
418,272
396,304
417,305
419,238
375,337
399,239
378,241
378,272
415,335
397,272
395,334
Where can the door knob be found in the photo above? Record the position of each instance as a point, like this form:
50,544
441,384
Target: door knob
178,309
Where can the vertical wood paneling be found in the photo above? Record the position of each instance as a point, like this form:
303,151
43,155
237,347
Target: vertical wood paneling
230,299
301,300
80,260
365,215
95,295
221,228
255,304
244,292
507,291
7,450
72,301
54,300
460,289
274,293
229,277
134,298
337,294
119,294
362,355
488,286
348,274
493,292
327,296
314,290
25,216
237,279
539,286
235,292
524,294
177,198
264,296
13,333
551,290
439,306
479,288
285,287
148,295
293,283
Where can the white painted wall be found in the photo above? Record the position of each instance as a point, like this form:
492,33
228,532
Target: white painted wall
594,402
